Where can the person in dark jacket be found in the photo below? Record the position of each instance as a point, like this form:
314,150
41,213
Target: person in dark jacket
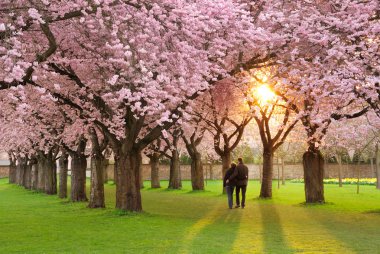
240,175
230,184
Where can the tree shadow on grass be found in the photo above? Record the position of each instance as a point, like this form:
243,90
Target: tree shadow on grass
376,211
273,235
355,232
215,232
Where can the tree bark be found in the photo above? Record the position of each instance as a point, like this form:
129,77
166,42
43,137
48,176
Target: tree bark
12,170
21,170
97,181
313,163
212,177
226,162
34,182
27,181
175,178
41,173
128,196
63,168
154,170
105,173
50,175
78,177
197,177
141,174
266,186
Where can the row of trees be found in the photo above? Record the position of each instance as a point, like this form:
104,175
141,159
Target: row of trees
138,76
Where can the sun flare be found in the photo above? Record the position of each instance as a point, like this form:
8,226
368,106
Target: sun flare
264,93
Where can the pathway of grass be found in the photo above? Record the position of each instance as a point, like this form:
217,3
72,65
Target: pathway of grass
192,222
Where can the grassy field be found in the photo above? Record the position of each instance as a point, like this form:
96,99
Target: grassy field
193,222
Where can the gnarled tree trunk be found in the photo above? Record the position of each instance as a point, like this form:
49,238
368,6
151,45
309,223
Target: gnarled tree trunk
34,182
105,173
128,196
27,180
266,186
50,174
175,177
21,168
97,173
197,178
226,164
97,181
141,170
12,170
78,177
154,170
63,168
41,173
313,163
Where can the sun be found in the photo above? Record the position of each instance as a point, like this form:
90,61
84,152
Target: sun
264,93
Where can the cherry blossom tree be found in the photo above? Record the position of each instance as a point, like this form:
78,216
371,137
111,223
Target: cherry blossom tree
106,73
318,68
221,111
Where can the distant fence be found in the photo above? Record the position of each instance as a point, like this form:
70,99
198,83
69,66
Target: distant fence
291,171
4,171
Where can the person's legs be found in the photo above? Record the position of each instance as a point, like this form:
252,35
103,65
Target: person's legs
230,191
243,190
237,196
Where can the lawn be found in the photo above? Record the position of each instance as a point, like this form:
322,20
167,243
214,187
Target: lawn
193,222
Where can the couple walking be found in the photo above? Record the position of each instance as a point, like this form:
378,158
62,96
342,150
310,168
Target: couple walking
236,176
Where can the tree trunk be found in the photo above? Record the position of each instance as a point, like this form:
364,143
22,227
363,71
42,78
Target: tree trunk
266,186
372,167
226,162
141,173
12,170
313,163
128,196
378,166
41,174
175,178
50,175
212,177
339,159
34,182
97,181
27,181
63,168
78,177
105,173
154,170
21,168
197,178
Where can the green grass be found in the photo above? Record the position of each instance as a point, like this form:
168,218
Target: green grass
193,222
